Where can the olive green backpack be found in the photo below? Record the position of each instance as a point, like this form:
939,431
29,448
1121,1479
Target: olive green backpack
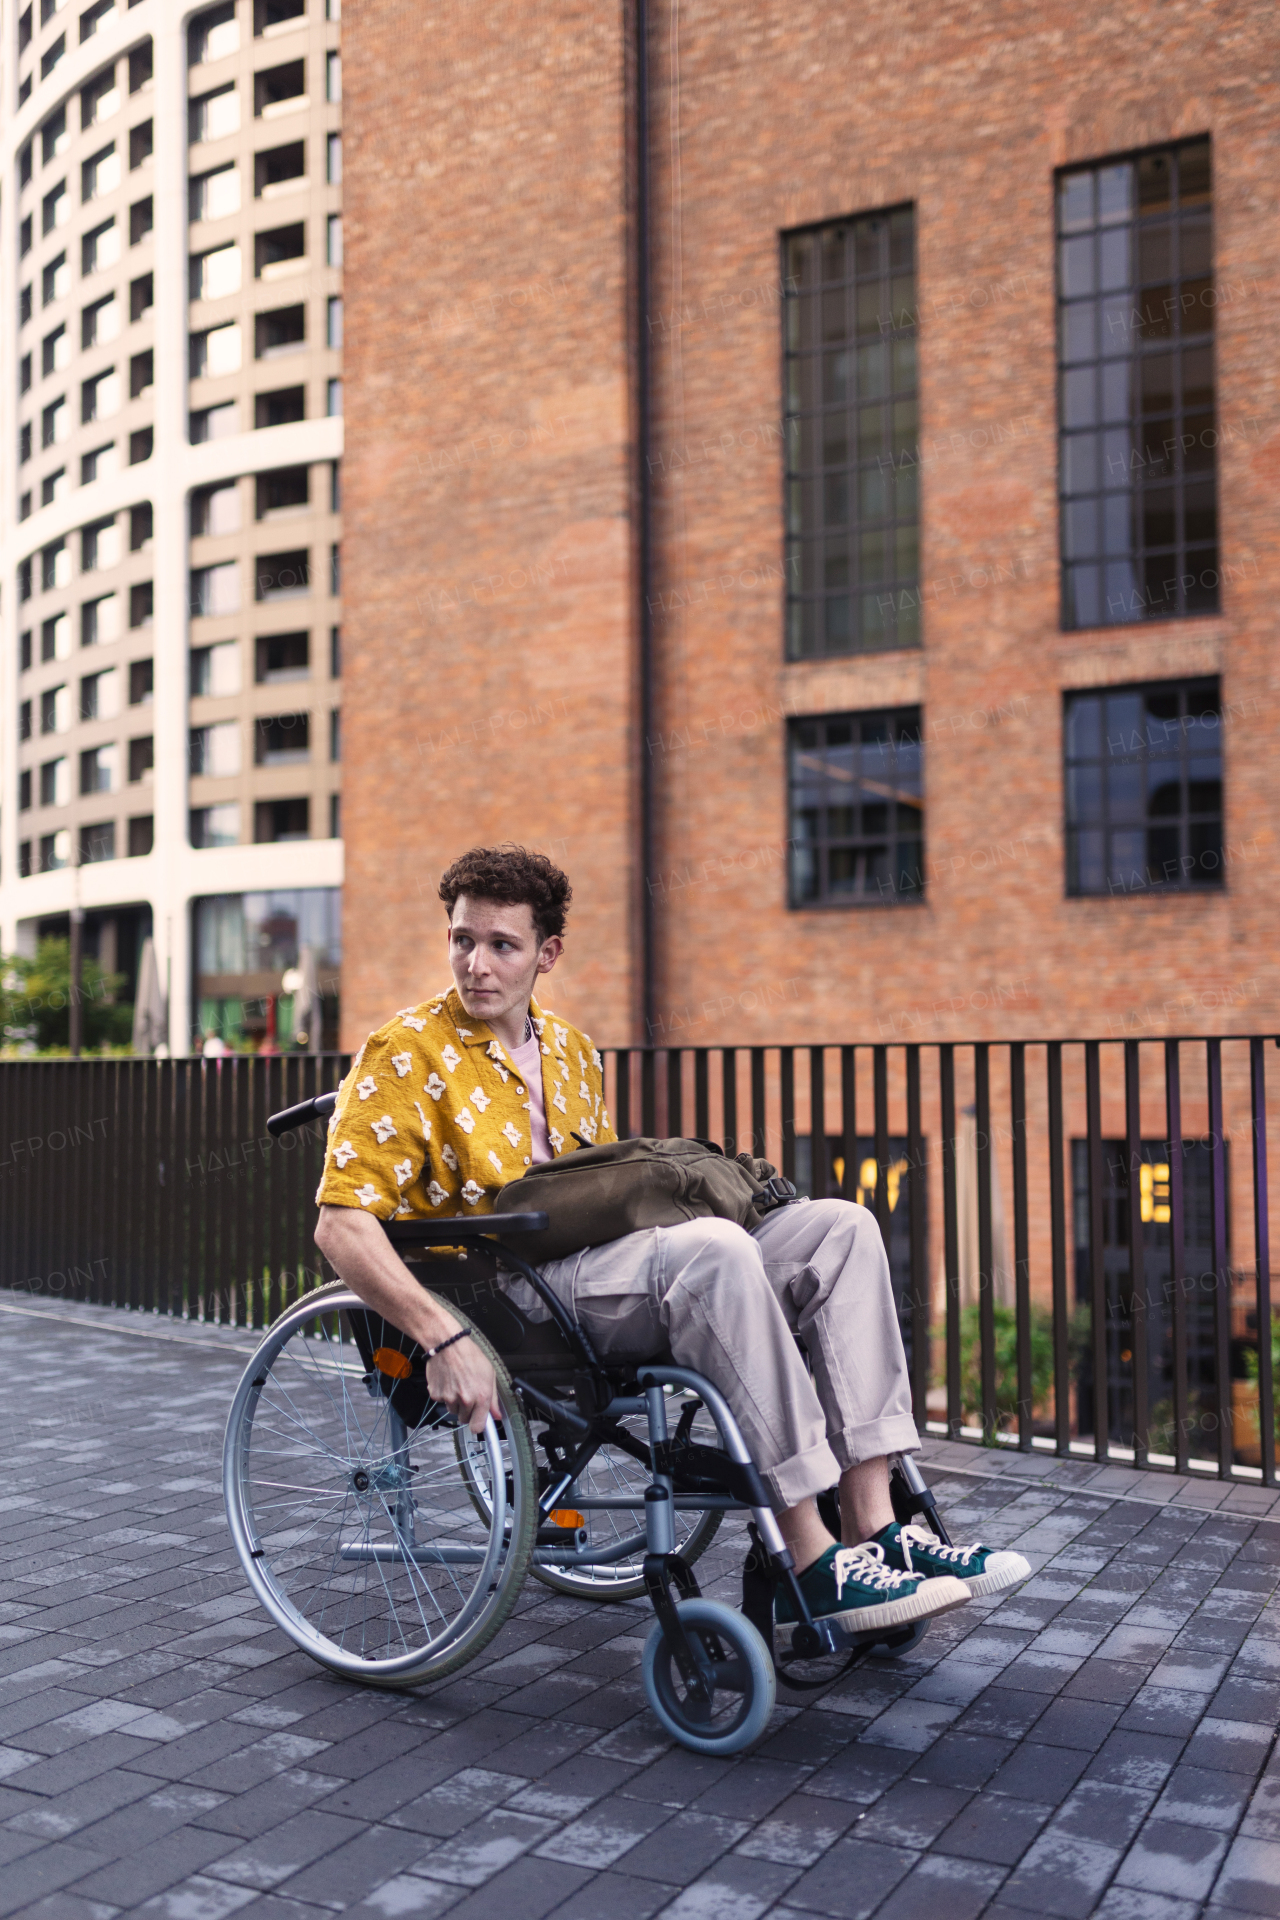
601,1193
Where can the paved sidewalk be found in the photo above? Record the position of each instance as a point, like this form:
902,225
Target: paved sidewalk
1101,1742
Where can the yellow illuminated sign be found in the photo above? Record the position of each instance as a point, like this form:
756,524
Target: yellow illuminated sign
1153,1188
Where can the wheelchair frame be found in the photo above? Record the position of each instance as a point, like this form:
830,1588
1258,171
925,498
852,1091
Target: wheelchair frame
557,1381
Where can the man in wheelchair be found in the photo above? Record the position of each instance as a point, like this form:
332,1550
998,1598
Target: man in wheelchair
455,1098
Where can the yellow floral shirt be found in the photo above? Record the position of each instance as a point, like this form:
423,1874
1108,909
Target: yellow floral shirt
433,1118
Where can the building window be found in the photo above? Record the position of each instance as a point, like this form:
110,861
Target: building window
283,656
142,835
213,35
333,160
213,196
24,790
141,143
97,843
215,590
98,770
275,820
283,740
25,868
335,733
142,758
1143,779
333,400
333,243
142,219
281,408
55,850
215,750
857,809
282,331
214,115
25,305
25,728
283,576
141,682
141,445
1136,389
334,330
215,826
852,506
142,295
55,280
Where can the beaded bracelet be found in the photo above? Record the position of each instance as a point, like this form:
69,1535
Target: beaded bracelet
429,1353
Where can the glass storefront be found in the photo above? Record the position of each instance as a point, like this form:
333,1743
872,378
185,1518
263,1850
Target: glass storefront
254,954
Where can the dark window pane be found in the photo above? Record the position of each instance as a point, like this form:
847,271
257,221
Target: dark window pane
850,436
856,814
1136,299
1143,788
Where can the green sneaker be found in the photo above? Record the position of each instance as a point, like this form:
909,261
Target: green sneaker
983,1570
857,1587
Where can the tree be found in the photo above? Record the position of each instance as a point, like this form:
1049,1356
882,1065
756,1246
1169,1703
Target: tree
35,1001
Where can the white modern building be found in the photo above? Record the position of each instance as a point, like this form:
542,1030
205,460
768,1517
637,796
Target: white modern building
170,462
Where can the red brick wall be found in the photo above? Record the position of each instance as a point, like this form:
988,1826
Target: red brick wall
486,540
486,154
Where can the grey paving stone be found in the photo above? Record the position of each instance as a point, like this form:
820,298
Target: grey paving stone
284,1851
691,1840
860,1774
1039,1773
1129,1903
1136,1759
612,1896
1002,1712
527,1890
1195,1797
145,1870
1234,1746
960,1888
734,1889
1076,1723
1163,1710
1062,1874
961,1760
403,1894
607,1833
911,1814
198,1898
454,1803
268,1805
851,1879
799,1831
46,1870
1250,1878
994,1828
751,1789
1174,1859
1116,1681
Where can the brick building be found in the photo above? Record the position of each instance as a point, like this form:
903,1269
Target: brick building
961,437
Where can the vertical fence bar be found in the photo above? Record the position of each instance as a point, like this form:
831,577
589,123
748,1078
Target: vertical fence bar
1262,1259
950,1234
759,1136
849,1120
818,1181
729,1097
701,1095
1097,1260
986,1258
1221,1271
919,1251
1137,1252
1058,1242
1177,1253
881,1094
648,1100
675,1092
1021,1241
622,1093
787,1076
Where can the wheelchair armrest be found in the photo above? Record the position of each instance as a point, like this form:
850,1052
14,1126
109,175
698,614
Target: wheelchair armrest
318,1109
457,1231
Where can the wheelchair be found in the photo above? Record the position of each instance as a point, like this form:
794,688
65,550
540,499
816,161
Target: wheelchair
390,1543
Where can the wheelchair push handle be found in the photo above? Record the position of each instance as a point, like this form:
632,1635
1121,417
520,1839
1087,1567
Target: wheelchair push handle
318,1109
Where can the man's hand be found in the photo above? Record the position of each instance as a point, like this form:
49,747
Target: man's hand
462,1380
356,1247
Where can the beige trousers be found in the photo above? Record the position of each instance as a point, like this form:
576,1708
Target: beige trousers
729,1304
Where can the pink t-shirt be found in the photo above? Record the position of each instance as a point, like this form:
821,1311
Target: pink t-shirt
528,1064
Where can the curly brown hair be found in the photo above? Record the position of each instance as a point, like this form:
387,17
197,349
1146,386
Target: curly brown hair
514,876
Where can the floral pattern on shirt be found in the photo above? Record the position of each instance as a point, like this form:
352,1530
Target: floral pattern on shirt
472,1138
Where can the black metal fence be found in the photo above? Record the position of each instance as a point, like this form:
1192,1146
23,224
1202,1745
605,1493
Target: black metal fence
1077,1230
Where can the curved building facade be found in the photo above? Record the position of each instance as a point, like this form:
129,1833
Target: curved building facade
170,486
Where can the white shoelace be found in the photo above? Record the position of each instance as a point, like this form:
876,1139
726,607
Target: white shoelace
866,1564
951,1556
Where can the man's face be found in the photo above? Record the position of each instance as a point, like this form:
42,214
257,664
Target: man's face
496,954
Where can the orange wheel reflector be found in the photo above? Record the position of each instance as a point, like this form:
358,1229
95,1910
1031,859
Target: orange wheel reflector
394,1364
567,1517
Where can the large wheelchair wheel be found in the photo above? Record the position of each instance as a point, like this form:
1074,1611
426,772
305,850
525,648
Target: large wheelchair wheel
736,1670
614,1472
355,1530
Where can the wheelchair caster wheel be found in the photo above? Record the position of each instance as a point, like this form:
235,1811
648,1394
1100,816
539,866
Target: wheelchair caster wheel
739,1675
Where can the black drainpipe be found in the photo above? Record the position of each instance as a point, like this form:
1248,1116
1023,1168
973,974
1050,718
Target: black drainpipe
648,942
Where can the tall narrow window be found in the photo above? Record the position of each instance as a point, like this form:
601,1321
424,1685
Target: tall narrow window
1143,779
1136,389
857,809
852,507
